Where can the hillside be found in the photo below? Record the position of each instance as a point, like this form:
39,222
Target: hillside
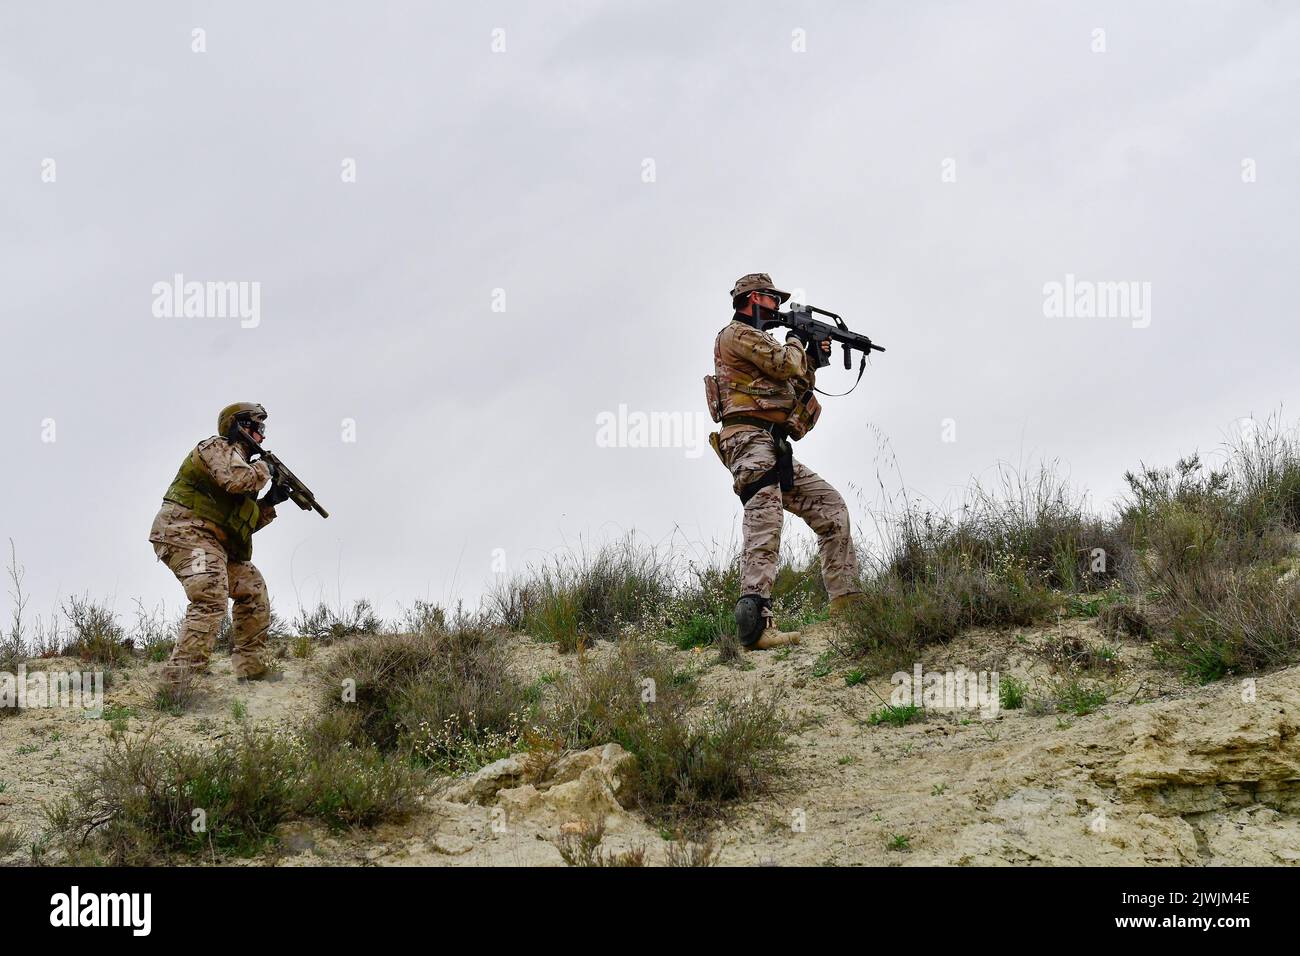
1162,773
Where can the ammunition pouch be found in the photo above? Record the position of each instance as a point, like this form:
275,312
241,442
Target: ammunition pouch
804,415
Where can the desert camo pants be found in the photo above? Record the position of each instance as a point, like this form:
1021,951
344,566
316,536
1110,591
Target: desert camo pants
750,453
210,578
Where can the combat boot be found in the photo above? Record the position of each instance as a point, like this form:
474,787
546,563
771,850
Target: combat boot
773,638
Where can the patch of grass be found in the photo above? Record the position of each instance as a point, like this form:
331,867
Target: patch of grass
1072,652
1092,605
895,715
153,634
96,635
700,631
446,698
175,699
583,849
824,664
694,757
238,709
579,596
681,851
1011,692
899,843
144,799
324,625
1123,618
10,839
897,617
1078,697
160,652
626,589
1251,624
118,712
854,677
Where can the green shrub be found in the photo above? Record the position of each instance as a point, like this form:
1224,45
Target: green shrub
895,714
144,798
449,699
1248,624
693,758
96,635
579,596
324,625
1011,692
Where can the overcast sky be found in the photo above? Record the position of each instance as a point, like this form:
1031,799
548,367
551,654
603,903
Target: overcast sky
603,172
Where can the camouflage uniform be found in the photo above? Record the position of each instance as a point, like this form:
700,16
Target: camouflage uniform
212,561
759,378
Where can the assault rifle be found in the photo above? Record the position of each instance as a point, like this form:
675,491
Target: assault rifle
814,332
285,481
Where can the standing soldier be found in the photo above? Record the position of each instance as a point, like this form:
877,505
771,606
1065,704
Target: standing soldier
204,534
762,393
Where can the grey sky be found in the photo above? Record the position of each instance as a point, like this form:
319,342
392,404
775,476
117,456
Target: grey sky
522,170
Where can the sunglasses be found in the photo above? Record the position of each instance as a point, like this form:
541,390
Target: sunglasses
258,427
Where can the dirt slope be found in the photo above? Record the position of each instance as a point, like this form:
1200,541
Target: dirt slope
1162,774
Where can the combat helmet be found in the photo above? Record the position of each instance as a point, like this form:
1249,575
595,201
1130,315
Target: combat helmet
242,412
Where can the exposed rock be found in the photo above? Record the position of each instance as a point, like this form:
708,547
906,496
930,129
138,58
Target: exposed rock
583,785
1228,752
482,785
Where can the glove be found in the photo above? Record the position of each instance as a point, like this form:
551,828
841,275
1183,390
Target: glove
795,338
277,494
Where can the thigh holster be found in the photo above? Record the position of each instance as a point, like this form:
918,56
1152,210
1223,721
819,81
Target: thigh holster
781,473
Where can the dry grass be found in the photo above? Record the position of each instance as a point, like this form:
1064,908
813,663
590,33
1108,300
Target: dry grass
445,697
145,799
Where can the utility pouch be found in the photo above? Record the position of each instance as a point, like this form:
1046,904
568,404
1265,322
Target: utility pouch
803,417
715,442
713,397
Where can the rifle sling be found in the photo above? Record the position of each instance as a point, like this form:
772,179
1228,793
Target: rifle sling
862,367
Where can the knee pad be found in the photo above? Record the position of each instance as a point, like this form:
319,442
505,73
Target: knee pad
750,619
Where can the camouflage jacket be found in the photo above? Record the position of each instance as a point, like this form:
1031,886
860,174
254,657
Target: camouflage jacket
758,377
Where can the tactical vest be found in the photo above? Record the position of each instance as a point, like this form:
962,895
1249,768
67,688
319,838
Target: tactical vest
236,515
741,389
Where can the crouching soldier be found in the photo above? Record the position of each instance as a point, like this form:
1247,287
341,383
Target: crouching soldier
204,534
762,394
